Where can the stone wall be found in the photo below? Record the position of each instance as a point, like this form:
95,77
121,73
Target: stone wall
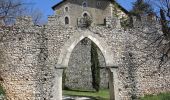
78,74
20,67
29,56
146,76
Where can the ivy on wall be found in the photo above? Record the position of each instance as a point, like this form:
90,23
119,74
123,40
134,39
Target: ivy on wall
2,93
2,90
95,67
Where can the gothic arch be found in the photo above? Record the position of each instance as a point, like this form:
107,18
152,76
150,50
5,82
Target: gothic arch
75,39
64,57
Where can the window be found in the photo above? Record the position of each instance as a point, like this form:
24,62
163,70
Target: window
66,20
85,15
84,4
98,4
66,9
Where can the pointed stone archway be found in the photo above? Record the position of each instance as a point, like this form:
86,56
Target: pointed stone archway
64,57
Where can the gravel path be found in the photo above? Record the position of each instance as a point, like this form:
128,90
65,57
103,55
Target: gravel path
76,98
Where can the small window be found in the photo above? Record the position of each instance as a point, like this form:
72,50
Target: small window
85,15
66,20
98,4
66,9
84,4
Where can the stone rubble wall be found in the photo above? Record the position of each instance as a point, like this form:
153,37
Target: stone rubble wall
20,67
78,73
29,54
146,77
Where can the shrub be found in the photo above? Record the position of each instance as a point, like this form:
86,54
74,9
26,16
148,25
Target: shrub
95,67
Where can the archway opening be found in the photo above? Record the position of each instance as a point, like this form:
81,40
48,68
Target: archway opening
86,71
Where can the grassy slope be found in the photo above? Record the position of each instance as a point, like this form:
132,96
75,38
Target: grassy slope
102,94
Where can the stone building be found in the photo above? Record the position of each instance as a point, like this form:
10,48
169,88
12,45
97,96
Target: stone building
72,12
33,57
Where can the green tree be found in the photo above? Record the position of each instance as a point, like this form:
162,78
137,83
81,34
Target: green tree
95,67
141,7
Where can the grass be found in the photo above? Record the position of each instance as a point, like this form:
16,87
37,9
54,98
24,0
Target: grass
101,95
104,95
161,96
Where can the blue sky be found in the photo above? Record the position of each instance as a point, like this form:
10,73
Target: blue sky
45,5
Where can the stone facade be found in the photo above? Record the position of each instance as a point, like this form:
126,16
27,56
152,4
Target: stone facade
98,10
33,58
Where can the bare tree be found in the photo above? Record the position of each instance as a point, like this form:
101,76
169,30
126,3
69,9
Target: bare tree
141,7
162,42
36,15
164,5
164,12
11,9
